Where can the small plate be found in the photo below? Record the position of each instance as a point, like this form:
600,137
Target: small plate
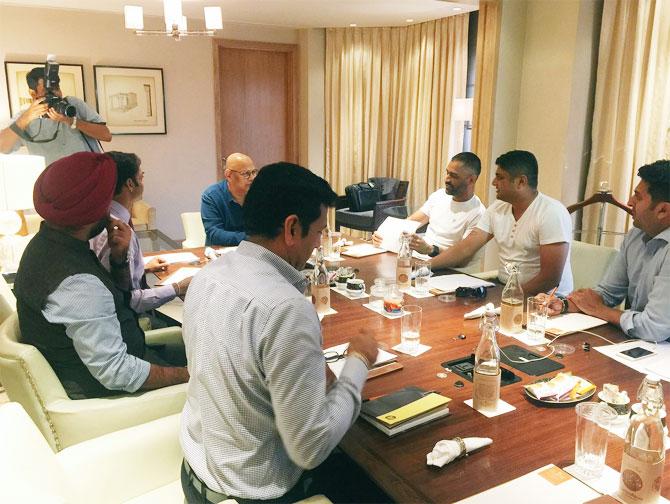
558,404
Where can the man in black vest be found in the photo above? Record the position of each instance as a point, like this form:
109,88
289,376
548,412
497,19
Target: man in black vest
72,309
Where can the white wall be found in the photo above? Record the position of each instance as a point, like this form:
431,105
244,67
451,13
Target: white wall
178,165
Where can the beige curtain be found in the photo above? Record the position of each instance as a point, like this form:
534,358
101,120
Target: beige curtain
488,40
631,119
389,94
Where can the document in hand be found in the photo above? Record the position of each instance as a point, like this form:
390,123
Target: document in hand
404,409
391,229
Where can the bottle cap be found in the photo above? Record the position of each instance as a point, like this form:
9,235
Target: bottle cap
654,378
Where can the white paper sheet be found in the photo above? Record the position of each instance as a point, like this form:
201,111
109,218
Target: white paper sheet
449,283
657,364
175,257
391,229
179,275
569,323
383,357
363,250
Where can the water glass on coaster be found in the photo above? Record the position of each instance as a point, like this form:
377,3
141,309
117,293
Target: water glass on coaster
421,276
410,329
536,319
378,292
335,244
593,420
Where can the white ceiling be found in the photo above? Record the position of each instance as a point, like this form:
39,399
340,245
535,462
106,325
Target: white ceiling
286,13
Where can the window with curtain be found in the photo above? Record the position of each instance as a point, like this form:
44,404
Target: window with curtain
389,96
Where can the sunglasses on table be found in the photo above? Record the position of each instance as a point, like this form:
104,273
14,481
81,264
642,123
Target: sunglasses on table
473,292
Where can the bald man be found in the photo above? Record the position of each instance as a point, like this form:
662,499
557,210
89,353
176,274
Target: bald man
221,203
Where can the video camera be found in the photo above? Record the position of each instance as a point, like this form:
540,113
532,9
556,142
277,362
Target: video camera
51,85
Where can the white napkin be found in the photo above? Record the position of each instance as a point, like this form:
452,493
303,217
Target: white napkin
475,314
447,450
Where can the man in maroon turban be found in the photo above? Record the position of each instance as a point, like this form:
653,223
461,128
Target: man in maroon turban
69,306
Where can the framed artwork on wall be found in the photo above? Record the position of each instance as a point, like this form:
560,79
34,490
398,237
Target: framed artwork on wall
131,99
71,83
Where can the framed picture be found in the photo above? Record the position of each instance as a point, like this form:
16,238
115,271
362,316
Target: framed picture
71,83
131,100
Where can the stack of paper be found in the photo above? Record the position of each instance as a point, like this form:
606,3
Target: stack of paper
176,257
402,410
569,323
383,357
449,283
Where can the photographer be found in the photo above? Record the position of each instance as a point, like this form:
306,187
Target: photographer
49,133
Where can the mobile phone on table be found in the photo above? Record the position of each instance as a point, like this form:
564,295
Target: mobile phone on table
636,353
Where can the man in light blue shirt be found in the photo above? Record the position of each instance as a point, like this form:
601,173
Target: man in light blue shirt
48,133
640,273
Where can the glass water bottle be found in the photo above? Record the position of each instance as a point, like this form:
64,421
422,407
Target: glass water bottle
486,376
404,264
511,304
320,284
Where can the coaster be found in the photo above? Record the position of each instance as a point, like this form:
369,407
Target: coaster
606,483
380,309
329,312
418,295
421,349
510,334
524,338
502,408
347,294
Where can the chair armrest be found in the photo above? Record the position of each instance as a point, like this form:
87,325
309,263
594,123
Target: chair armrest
77,421
144,213
164,336
125,464
341,202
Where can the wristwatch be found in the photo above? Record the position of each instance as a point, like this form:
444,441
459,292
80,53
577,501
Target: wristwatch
434,252
74,123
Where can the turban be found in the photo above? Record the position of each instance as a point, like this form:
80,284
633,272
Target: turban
76,190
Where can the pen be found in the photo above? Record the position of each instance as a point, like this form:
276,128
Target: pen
551,296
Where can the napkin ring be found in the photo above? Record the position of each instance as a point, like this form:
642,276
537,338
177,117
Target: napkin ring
461,443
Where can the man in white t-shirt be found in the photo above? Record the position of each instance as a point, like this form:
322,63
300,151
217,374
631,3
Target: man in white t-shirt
451,213
532,230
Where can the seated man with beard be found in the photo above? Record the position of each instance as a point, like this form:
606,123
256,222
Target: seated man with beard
70,307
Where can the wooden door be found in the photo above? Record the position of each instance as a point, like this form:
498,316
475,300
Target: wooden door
255,86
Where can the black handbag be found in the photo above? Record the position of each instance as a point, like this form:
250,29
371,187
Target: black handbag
362,196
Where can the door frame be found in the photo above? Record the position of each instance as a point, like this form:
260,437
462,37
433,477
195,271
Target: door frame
292,84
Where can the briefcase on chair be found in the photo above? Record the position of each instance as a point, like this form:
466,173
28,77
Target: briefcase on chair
362,196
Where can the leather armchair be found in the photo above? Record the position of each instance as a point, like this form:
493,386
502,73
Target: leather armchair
589,263
395,196
29,379
194,230
143,216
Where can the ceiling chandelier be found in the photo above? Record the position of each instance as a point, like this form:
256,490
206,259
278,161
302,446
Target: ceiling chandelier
175,21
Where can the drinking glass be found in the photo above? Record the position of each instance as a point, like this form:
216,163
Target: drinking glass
410,329
421,276
335,244
591,437
536,320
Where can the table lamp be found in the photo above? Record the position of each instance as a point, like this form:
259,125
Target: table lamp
18,174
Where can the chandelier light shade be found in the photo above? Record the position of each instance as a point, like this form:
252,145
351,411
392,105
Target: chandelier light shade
176,25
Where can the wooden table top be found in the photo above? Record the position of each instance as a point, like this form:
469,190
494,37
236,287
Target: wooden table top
523,440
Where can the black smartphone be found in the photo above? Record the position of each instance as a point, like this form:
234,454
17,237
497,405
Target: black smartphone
636,353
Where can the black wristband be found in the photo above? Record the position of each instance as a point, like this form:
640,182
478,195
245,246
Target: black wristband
564,308
434,252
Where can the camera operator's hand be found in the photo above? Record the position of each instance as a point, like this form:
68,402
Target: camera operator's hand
36,110
55,116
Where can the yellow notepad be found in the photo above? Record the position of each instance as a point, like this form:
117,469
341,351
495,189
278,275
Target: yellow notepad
413,409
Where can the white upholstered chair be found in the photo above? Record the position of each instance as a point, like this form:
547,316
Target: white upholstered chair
589,263
29,379
143,216
139,464
194,230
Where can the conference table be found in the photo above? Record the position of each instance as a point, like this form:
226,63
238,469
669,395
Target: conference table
525,439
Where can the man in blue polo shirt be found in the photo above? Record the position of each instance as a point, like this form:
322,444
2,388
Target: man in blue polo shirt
221,203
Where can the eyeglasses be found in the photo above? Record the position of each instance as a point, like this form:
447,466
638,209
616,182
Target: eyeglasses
249,174
474,292
333,356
